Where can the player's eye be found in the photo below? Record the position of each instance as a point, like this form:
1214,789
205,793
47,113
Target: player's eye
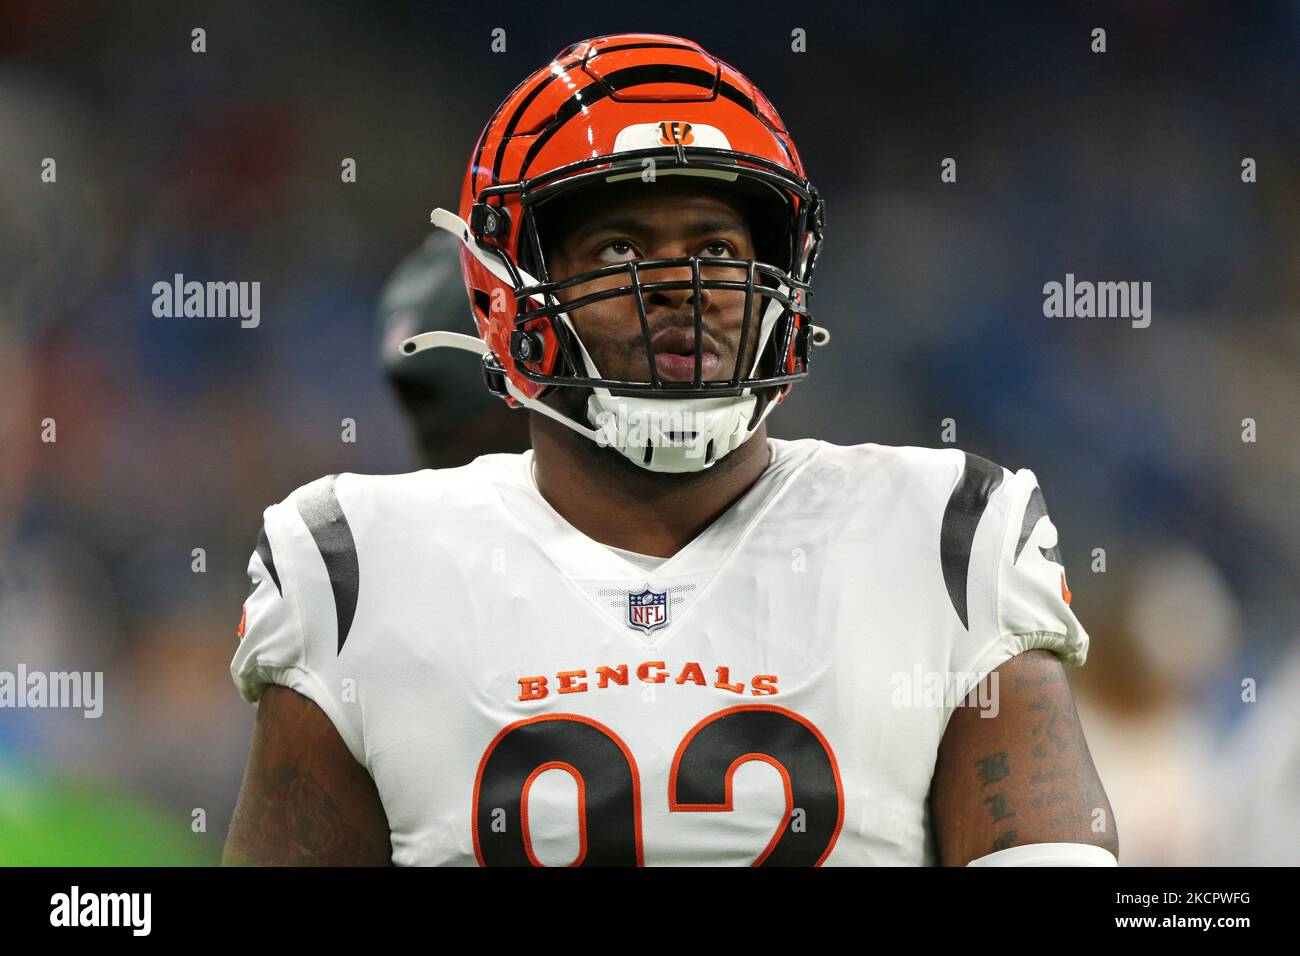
617,250
720,249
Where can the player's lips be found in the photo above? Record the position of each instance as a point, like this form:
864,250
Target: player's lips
674,350
681,368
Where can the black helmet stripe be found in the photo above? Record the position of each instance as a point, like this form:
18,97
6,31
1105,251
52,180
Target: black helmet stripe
618,80
637,76
522,107
518,115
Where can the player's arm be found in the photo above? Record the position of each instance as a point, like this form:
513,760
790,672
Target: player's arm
1024,776
305,800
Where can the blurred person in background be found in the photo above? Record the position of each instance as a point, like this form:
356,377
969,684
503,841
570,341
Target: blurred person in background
1165,635
1256,782
453,419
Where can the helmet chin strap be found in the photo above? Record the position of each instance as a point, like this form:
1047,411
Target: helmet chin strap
472,343
725,421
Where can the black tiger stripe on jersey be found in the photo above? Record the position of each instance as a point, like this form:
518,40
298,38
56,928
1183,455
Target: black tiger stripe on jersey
268,559
979,479
1037,508
320,510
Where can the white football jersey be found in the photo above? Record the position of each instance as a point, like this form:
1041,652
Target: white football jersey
775,692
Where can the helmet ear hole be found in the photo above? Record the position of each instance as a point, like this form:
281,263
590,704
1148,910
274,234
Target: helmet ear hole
489,222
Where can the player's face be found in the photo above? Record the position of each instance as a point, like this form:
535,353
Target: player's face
666,221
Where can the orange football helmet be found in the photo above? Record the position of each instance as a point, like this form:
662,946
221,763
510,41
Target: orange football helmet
608,110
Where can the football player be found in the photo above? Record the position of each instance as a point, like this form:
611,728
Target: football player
659,636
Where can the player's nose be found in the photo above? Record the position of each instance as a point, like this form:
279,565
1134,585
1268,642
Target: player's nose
682,293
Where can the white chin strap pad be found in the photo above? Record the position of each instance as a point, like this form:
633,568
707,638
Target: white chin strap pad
1049,854
672,435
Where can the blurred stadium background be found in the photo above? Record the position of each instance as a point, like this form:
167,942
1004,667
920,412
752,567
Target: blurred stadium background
174,434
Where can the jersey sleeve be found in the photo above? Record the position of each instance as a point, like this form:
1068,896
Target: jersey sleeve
1031,606
1034,600
287,629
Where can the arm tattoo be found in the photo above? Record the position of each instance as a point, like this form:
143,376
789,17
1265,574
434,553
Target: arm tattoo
1056,754
998,808
1005,840
293,822
1057,724
993,769
304,801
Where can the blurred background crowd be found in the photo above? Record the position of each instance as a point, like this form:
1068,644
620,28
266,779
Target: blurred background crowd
174,433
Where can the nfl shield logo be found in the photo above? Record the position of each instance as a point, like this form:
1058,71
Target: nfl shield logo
647,610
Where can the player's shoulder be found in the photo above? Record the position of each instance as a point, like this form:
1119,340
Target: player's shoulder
900,471
354,496
872,456
340,515
938,472
997,549
950,490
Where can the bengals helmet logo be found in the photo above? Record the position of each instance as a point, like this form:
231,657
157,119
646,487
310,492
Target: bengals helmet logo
243,622
675,133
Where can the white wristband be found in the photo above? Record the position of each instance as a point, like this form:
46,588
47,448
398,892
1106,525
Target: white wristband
1049,854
